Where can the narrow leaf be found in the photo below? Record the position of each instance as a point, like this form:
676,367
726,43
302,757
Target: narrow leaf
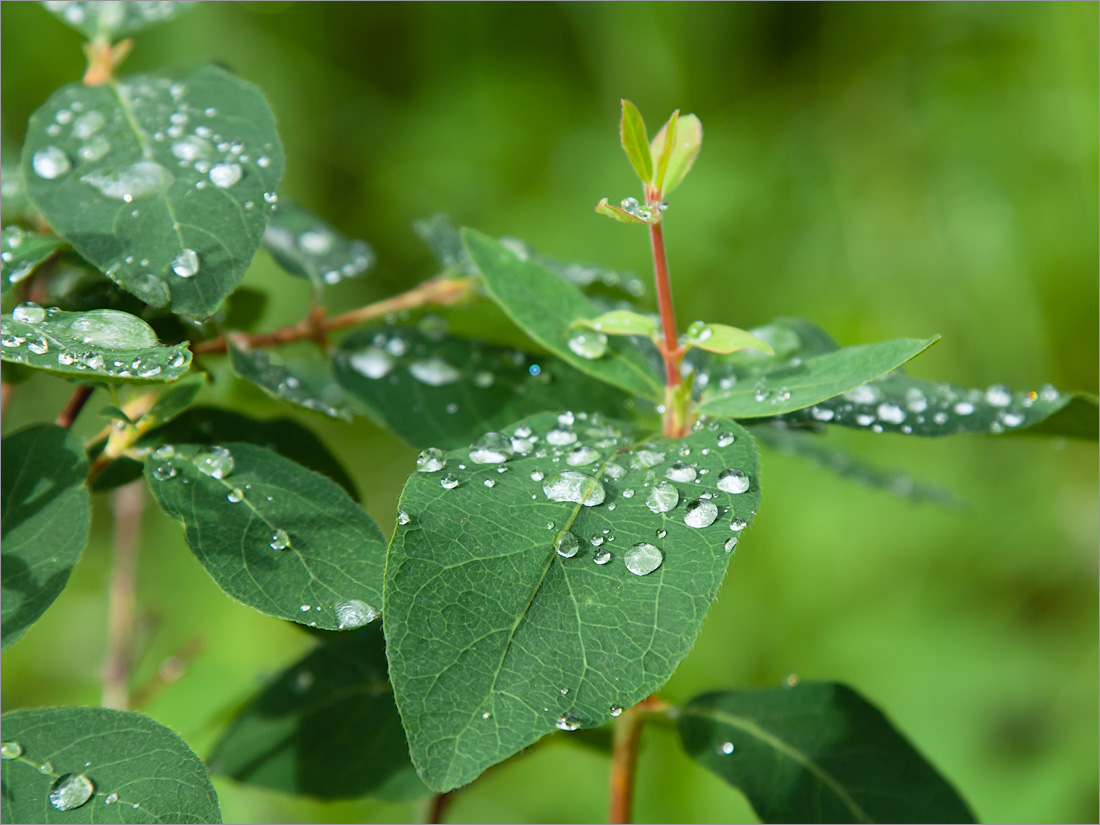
687,141
96,19
546,596
660,150
21,252
620,322
635,142
623,215
46,515
443,392
124,766
816,752
307,247
309,384
164,184
272,534
724,339
335,701
545,307
98,345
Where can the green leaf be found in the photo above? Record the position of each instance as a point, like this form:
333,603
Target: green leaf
174,400
98,345
96,19
307,247
335,701
635,142
660,149
750,389
494,639
724,339
14,204
899,404
309,384
622,215
21,251
620,322
545,307
816,752
210,425
164,184
139,771
443,392
687,140
46,515
272,534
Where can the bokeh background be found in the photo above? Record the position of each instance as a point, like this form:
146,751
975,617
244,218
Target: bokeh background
884,170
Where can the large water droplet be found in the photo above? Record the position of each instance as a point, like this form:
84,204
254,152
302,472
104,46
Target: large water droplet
662,498
139,180
568,721
890,413
700,513
164,472
371,362
186,263
725,439
29,313
733,481
280,540
560,438
355,613
574,486
998,395
449,481
50,162
491,448
588,344
434,371
643,558
111,329
567,544
216,462
71,791
681,472
601,555
581,456
644,459
224,175
431,460
10,750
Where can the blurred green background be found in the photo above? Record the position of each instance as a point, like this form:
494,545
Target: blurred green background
883,170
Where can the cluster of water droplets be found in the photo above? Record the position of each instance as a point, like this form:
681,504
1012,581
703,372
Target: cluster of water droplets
111,17
11,240
643,212
68,791
315,247
268,370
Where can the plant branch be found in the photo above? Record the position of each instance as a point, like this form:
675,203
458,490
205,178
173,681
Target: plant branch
315,327
128,501
75,404
437,807
624,756
6,392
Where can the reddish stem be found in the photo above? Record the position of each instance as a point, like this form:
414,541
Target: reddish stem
624,757
664,304
75,404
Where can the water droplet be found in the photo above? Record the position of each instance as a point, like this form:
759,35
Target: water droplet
681,472
50,162
574,486
725,439
601,555
449,481
1012,419
355,613
730,544
644,459
597,541
235,496
862,395
822,414
10,750
371,362
662,498
963,408
280,540
88,124
998,395
738,524
164,472
628,493
138,180
1048,393
588,344
71,791
224,175
491,448
615,710
431,460
581,456
567,544
403,518
434,371
643,558
110,799
164,452
38,346
700,513
216,462
29,313
725,749
560,438
890,413
568,721
760,393
46,767
537,475
483,379
733,481
186,263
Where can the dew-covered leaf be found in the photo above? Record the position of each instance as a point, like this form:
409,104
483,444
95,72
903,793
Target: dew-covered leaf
308,247
724,339
21,251
288,438
443,391
816,752
163,183
545,307
550,573
811,447
272,534
96,19
337,702
623,215
98,345
897,403
806,369
309,384
635,142
97,765
46,515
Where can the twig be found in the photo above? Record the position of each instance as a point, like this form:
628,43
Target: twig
624,757
128,504
75,404
6,392
438,806
316,327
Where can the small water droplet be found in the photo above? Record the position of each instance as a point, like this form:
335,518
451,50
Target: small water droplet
588,344
576,487
216,462
681,472
643,558
235,496
29,313
164,472
700,513
537,475
738,524
403,518
46,767
449,481
431,460
963,408
730,544
371,362
567,544
726,438
998,395
615,710
71,791
601,555
50,162
725,749
597,541
110,799
39,346
568,721
10,750
628,493
434,371
733,481
890,413
224,175
560,438
164,452
662,498
280,540
581,456
491,448
355,613
186,263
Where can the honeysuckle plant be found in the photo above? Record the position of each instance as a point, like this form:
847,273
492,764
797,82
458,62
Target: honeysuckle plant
567,525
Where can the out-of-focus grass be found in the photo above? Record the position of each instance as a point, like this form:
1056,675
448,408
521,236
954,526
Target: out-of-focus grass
884,170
